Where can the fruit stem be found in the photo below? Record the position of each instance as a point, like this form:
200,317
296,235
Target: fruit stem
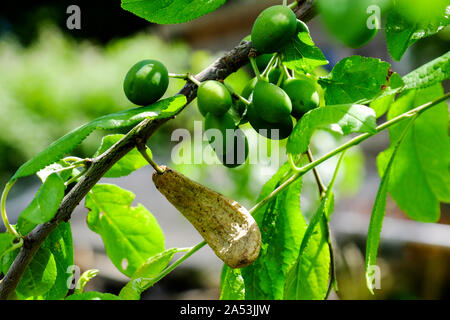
142,148
169,269
245,101
293,5
74,178
185,76
73,166
255,67
193,80
280,79
236,95
286,71
178,75
72,159
269,66
8,226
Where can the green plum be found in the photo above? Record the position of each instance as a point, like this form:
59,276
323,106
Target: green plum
271,102
264,128
213,97
146,82
273,28
303,94
231,154
238,152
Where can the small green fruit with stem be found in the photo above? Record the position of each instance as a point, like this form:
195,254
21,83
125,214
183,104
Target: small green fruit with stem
221,124
273,28
271,102
303,94
261,60
213,97
232,146
248,89
146,82
276,131
240,106
237,153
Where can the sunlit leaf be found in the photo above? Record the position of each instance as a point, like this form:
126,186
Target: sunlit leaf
171,11
131,234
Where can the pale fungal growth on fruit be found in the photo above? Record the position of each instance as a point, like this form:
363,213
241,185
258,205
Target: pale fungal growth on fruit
227,227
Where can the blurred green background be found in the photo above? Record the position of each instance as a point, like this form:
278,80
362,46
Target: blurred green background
53,80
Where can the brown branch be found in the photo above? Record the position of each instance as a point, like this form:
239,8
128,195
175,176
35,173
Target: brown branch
219,70
319,182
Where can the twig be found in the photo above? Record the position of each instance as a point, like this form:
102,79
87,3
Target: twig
142,148
320,185
169,269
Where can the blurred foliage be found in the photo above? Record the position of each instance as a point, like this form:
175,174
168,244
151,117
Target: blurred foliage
57,84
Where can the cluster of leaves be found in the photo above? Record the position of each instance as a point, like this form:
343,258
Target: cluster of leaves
123,228
296,260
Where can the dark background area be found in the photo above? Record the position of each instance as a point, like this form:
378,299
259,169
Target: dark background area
102,20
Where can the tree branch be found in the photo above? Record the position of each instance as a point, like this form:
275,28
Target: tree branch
219,70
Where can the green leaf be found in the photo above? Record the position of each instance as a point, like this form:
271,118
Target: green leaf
40,275
132,161
171,11
44,205
142,278
8,259
378,211
429,74
401,32
309,277
87,276
6,241
344,119
355,79
162,109
131,234
93,295
382,105
425,76
282,226
420,176
232,284
282,173
301,54
59,243
55,168
54,152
